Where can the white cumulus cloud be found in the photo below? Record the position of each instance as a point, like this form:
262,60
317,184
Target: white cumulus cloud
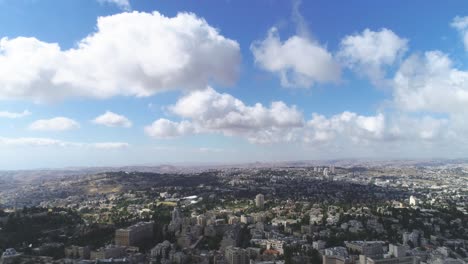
223,111
299,61
111,119
130,54
371,52
54,124
347,124
164,128
208,111
430,82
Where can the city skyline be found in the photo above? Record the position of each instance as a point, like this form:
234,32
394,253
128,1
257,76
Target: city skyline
119,82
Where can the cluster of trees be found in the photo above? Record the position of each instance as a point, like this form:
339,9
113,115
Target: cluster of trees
94,235
311,255
29,225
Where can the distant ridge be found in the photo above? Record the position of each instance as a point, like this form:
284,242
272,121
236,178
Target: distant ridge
189,167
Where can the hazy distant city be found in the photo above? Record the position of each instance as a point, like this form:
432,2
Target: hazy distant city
304,212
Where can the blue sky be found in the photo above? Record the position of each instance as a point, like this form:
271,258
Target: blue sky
230,81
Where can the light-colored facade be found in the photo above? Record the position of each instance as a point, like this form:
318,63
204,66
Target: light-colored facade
260,201
134,234
368,248
246,219
275,244
397,251
333,260
201,220
403,260
77,252
319,244
108,252
236,255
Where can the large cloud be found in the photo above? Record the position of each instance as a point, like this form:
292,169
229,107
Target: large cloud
351,125
211,112
223,111
375,129
299,61
131,54
431,83
419,129
370,52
